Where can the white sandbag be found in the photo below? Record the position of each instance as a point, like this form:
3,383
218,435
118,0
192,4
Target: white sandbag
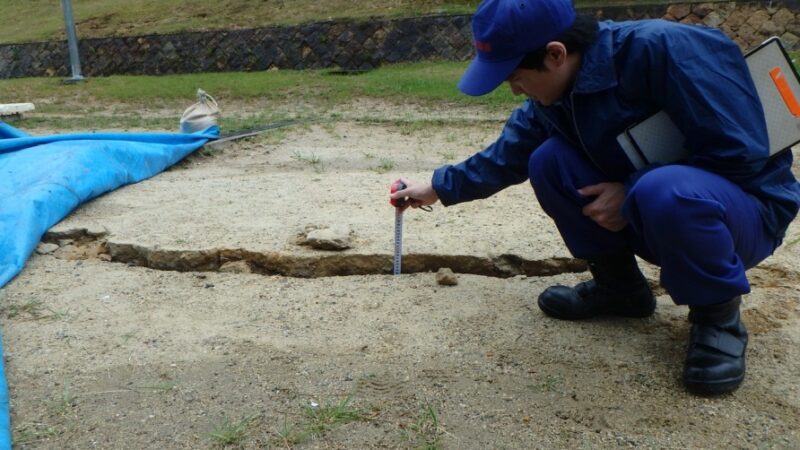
15,108
203,114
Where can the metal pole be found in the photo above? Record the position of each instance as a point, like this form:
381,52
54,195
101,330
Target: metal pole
72,41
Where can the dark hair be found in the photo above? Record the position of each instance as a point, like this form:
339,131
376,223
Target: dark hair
576,39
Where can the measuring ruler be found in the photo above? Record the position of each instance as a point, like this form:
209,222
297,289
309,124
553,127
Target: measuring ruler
398,241
399,204
398,226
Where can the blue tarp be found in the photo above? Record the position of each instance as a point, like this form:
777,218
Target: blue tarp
44,178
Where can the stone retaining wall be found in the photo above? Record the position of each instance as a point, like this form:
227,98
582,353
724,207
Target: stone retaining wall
355,45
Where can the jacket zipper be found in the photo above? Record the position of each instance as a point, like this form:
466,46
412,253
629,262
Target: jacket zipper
578,133
554,125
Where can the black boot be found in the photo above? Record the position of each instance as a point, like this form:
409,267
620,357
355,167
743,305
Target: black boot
715,359
618,288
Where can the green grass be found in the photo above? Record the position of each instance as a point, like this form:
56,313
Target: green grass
163,386
232,432
426,431
30,433
428,81
124,122
34,309
64,402
317,420
311,159
325,417
247,99
60,411
551,383
41,20
385,165
290,435
35,20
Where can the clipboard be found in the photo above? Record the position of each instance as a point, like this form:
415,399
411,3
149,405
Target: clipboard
658,140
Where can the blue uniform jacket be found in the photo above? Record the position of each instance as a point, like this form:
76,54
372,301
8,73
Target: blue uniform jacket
633,70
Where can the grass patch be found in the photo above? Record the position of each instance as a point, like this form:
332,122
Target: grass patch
551,383
410,126
311,159
232,432
249,100
426,431
317,420
290,435
30,433
34,20
204,152
384,165
322,418
447,156
96,123
273,137
64,402
38,20
34,309
162,387
429,83
60,409
644,380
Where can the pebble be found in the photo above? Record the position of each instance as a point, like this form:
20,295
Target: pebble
337,238
236,267
446,277
46,248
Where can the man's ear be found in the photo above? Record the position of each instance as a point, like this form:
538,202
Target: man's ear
556,53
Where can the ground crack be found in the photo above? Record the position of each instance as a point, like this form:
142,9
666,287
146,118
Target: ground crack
80,244
83,244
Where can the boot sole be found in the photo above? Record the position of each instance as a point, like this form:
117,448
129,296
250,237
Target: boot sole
557,315
713,388
631,315
634,314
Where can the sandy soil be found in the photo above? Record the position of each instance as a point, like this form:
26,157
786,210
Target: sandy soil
182,313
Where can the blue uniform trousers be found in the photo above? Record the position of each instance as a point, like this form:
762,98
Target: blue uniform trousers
701,229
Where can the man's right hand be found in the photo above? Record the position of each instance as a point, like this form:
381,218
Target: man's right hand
418,194
606,208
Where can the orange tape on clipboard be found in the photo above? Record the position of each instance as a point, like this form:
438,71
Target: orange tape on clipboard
785,91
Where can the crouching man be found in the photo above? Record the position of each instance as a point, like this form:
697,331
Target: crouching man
704,220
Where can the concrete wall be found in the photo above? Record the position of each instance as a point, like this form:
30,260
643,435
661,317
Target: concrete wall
355,45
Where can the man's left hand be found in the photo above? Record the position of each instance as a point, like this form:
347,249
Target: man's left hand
606,208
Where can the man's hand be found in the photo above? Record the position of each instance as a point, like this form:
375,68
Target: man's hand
419,194
606,209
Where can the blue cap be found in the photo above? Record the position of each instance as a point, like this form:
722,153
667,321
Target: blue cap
505,31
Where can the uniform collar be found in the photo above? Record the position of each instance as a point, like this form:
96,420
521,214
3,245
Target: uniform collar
597,71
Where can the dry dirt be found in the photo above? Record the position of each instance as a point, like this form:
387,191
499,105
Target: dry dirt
180,313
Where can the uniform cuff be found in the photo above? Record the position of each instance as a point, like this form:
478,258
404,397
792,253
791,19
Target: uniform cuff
443,186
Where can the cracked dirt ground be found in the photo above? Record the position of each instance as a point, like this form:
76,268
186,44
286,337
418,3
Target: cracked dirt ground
128,333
